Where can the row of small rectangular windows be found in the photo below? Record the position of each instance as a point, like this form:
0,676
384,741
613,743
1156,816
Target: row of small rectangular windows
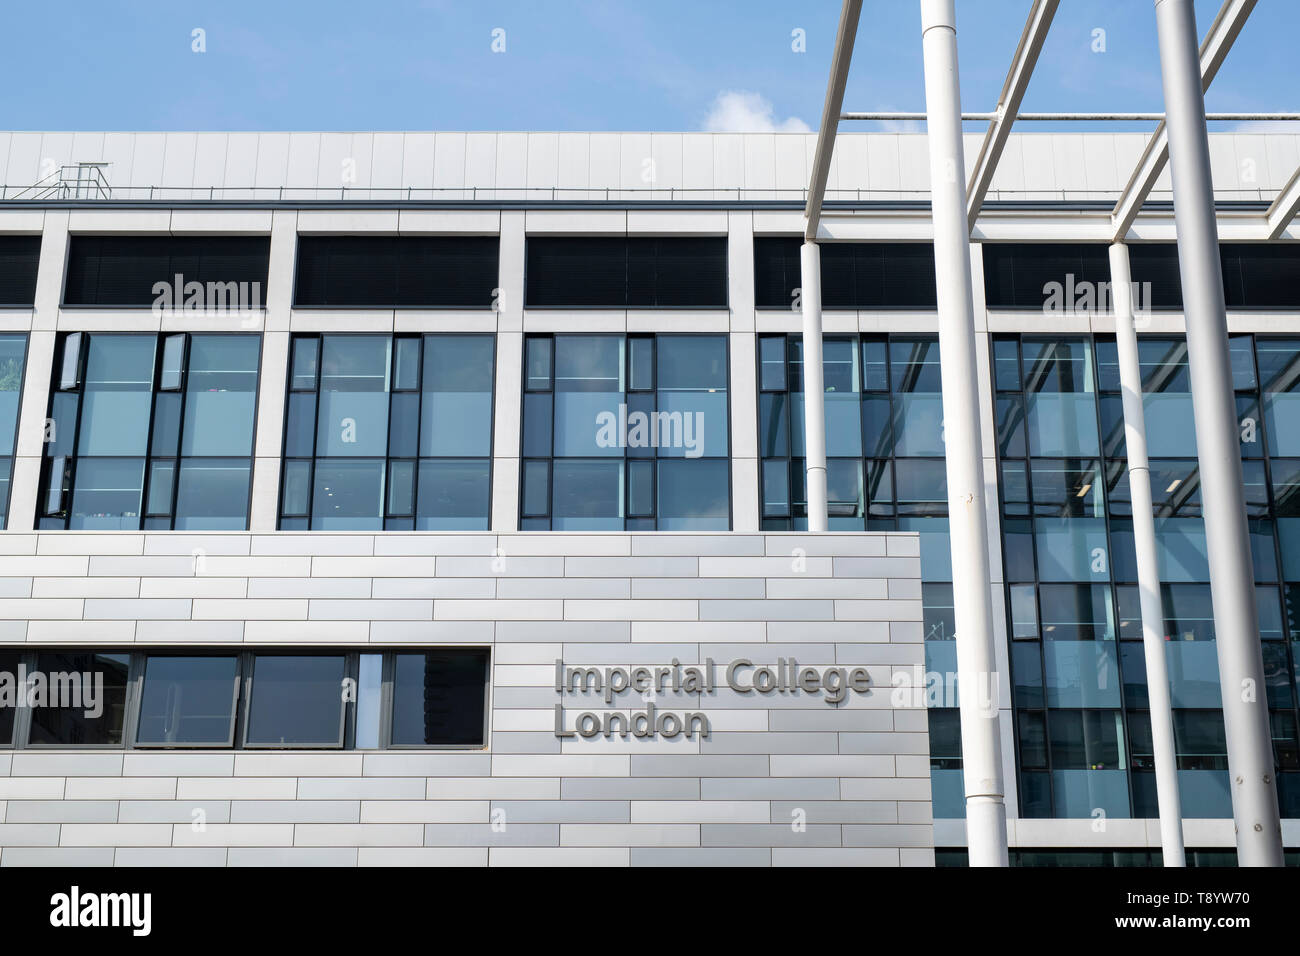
304,698
613,272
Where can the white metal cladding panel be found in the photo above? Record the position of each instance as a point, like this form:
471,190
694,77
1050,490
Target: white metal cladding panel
781,779
1082,163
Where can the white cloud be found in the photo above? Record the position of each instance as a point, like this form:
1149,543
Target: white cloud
740,111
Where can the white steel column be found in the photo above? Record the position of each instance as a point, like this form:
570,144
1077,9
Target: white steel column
977,677
814,391
1232,585
1144,539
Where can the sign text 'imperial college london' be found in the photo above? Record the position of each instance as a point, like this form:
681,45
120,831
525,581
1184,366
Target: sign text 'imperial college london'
741,676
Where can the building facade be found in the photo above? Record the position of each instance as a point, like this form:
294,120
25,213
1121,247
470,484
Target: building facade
473,425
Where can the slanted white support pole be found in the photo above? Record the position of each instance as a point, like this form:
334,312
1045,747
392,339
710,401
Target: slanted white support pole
1232,577
1144,539
814,391
977,676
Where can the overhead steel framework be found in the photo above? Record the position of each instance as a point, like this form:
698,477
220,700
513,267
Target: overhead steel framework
957,203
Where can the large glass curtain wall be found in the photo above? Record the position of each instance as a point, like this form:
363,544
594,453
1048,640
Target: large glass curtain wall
1082,727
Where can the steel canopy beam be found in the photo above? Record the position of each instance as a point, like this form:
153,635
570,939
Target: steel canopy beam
840,59
1150,117
1284,207
1013,91
1214,48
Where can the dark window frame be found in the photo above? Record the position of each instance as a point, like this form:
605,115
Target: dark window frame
242,689
534,522
434,245
535,244
52,520
11,253
314,459
178,244
861,294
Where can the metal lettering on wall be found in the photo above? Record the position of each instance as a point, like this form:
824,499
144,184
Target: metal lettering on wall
741,675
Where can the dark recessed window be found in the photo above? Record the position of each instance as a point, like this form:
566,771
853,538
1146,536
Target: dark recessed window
1154,269
439,698
280,699
188,701
396,271
77,699
1261,276
1255,275
626,272
130,271
19,258
1026,275
9,689
296,701
855,275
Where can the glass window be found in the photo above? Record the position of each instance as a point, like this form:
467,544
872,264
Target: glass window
453,495
143,449
403,434
188,701
587,495
296,701
370,699
353,419
456,417
1077,612
539,362
221,395
212,494
13,353
77,699
588,395
10,679
173,366
439,698
1081,673
771,358
1199,740
107,494
937,612
692,383
536,488
348,495
618,403
1085,739
693,495
117,395
306,358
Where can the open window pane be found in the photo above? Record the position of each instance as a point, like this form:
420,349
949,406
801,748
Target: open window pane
439,698
296,702
117,395
188,702
8,706
77,699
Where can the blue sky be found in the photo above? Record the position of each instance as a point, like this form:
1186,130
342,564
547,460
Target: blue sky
569,64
